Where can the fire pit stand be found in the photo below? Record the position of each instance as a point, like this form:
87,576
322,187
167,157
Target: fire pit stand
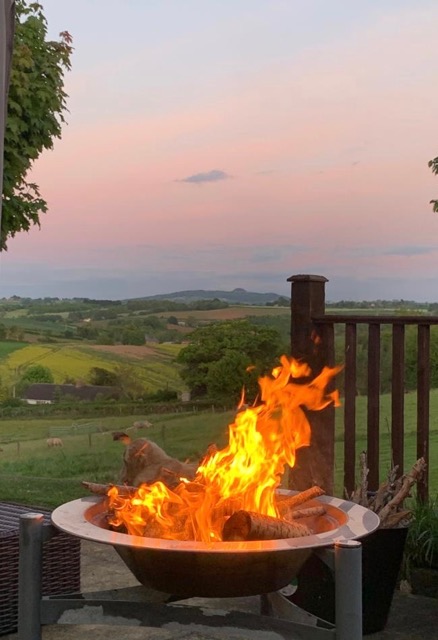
140,606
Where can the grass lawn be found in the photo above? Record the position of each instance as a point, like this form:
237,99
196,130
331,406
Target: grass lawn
32,473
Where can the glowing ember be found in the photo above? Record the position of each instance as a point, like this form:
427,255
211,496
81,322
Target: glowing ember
243,475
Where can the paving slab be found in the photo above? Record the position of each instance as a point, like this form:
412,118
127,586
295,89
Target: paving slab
411,617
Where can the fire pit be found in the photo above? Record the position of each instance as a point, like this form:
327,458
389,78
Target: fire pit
217,569
224,532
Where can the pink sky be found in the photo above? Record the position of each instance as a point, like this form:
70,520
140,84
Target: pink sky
321,127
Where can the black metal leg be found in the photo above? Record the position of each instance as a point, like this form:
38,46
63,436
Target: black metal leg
30,576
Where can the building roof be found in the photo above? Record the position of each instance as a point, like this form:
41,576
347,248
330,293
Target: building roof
51,392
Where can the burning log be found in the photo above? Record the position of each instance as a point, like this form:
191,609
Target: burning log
125,491
246,525
263,438
144,462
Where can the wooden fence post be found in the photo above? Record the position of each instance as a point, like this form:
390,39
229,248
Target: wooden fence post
315,346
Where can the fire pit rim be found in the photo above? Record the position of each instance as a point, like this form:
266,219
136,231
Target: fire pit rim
71,517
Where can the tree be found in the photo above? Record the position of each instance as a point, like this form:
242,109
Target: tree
36,107
102,377
433,164
215,363
132,335
34,374
128,383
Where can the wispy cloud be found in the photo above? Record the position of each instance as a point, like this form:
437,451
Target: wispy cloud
215,175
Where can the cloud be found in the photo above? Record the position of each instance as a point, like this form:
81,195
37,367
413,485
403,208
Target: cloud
209,176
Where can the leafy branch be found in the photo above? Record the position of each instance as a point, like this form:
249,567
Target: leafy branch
36,108
433,164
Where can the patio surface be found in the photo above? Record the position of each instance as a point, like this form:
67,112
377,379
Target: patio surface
412,617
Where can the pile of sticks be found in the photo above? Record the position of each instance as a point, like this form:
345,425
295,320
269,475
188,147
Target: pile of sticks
388,500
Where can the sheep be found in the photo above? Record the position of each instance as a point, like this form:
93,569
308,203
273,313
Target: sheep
142,424
54,442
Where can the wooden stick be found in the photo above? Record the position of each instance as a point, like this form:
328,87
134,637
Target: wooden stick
408,482
246,525
125,491
385,492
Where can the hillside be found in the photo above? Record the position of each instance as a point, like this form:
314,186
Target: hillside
237,296
154,365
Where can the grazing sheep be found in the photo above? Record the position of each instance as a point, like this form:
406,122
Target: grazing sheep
142,424
54,442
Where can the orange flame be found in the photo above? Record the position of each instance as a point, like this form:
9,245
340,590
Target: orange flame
245,474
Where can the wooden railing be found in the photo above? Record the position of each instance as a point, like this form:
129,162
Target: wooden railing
312,339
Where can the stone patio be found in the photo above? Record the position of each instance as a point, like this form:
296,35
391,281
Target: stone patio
412,617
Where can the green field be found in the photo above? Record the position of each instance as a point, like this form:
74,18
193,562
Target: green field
8,347
32,473
153,365
234,312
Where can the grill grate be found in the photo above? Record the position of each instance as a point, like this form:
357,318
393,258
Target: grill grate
61,563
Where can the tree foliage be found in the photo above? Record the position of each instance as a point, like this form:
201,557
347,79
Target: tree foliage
433,164
215,363
102,377
128,383
36,108
34,374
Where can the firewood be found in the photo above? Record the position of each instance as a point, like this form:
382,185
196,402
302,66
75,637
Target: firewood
360,495
290,502
296,514
227,508
124,490
386,491
408,482
246,525
144,462
397,519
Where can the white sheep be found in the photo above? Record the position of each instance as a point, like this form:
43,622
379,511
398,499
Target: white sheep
54,442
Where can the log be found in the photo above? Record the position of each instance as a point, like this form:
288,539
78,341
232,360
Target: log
246,525
310,512
125,491
290,502
144,462
397,519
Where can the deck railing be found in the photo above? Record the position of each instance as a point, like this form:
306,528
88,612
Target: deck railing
313,340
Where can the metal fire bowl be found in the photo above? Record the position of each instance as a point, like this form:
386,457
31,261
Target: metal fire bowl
219,569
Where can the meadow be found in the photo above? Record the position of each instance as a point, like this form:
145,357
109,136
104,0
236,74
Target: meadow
31,473
154,365
235,312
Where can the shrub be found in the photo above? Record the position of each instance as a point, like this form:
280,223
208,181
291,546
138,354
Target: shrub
422,541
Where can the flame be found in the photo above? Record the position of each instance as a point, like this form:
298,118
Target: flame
262,440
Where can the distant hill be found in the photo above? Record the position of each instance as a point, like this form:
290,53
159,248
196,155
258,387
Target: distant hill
237,296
